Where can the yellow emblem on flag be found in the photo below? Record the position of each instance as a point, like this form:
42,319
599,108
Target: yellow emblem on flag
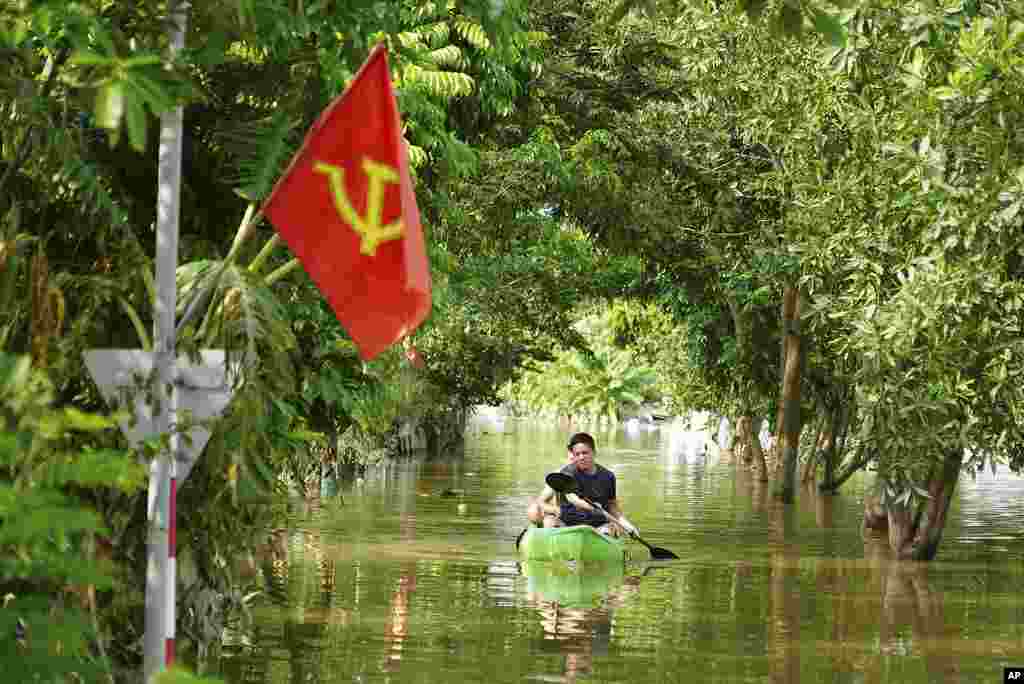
369,227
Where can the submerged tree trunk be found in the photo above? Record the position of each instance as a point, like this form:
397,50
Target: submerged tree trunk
780,417
915,532
875,516
789,435
756,452
741,447
811,464
747,427
830,453
840,416
828,446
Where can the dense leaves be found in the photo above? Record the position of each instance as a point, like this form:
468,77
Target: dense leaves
49,530
605,381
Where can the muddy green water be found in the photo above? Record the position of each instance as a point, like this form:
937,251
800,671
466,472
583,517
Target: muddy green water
412,577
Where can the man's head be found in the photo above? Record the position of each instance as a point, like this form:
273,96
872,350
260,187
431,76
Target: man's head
581,451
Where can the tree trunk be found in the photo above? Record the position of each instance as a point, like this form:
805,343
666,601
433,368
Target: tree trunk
756,452
915,535
875,516
743,324
833,450
811,464
833,484
789,402
780,420
741,447
431,435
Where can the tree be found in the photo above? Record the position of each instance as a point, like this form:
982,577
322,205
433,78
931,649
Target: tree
921,211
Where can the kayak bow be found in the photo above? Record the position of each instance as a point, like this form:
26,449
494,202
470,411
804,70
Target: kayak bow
578,543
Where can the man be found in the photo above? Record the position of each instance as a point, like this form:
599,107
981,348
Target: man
595,483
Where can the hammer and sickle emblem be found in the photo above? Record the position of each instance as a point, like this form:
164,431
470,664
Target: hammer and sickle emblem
368,227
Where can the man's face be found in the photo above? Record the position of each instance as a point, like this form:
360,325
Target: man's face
582,457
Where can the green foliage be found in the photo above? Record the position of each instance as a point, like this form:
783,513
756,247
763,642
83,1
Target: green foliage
179,676
605,382
918,301
47,531
13,281
262,148
125,78
457,71
505,293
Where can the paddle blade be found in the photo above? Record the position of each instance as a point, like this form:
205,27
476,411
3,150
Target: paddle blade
658,553
562,483
520,537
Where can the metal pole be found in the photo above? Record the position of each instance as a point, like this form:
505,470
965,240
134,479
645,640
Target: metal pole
160,570
154,644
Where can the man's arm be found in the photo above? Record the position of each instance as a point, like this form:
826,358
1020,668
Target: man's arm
580,503
616,510
546,500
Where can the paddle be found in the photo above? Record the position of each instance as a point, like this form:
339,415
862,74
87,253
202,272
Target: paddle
566,484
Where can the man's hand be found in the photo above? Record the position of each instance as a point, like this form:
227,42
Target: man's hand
582,505
630,528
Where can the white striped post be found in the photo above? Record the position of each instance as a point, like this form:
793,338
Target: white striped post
158,641
172,552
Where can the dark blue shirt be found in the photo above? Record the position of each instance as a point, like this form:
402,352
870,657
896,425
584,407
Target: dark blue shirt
599,488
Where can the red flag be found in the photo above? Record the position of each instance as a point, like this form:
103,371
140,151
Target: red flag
347,210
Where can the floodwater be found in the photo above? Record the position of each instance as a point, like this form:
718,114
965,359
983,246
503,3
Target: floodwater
412,577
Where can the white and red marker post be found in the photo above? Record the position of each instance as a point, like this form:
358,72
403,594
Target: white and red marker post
158,642
172,566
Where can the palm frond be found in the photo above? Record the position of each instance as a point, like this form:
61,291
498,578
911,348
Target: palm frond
445,84
417,156
411,39
448,56
437,33
250,312
262,148
473,34
192,278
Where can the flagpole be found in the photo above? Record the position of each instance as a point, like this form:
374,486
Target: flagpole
158,642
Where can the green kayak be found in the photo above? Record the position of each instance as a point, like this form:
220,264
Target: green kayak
578,543
572,585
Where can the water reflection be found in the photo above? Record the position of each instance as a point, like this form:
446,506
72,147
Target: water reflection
397,628
685,445
576,607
